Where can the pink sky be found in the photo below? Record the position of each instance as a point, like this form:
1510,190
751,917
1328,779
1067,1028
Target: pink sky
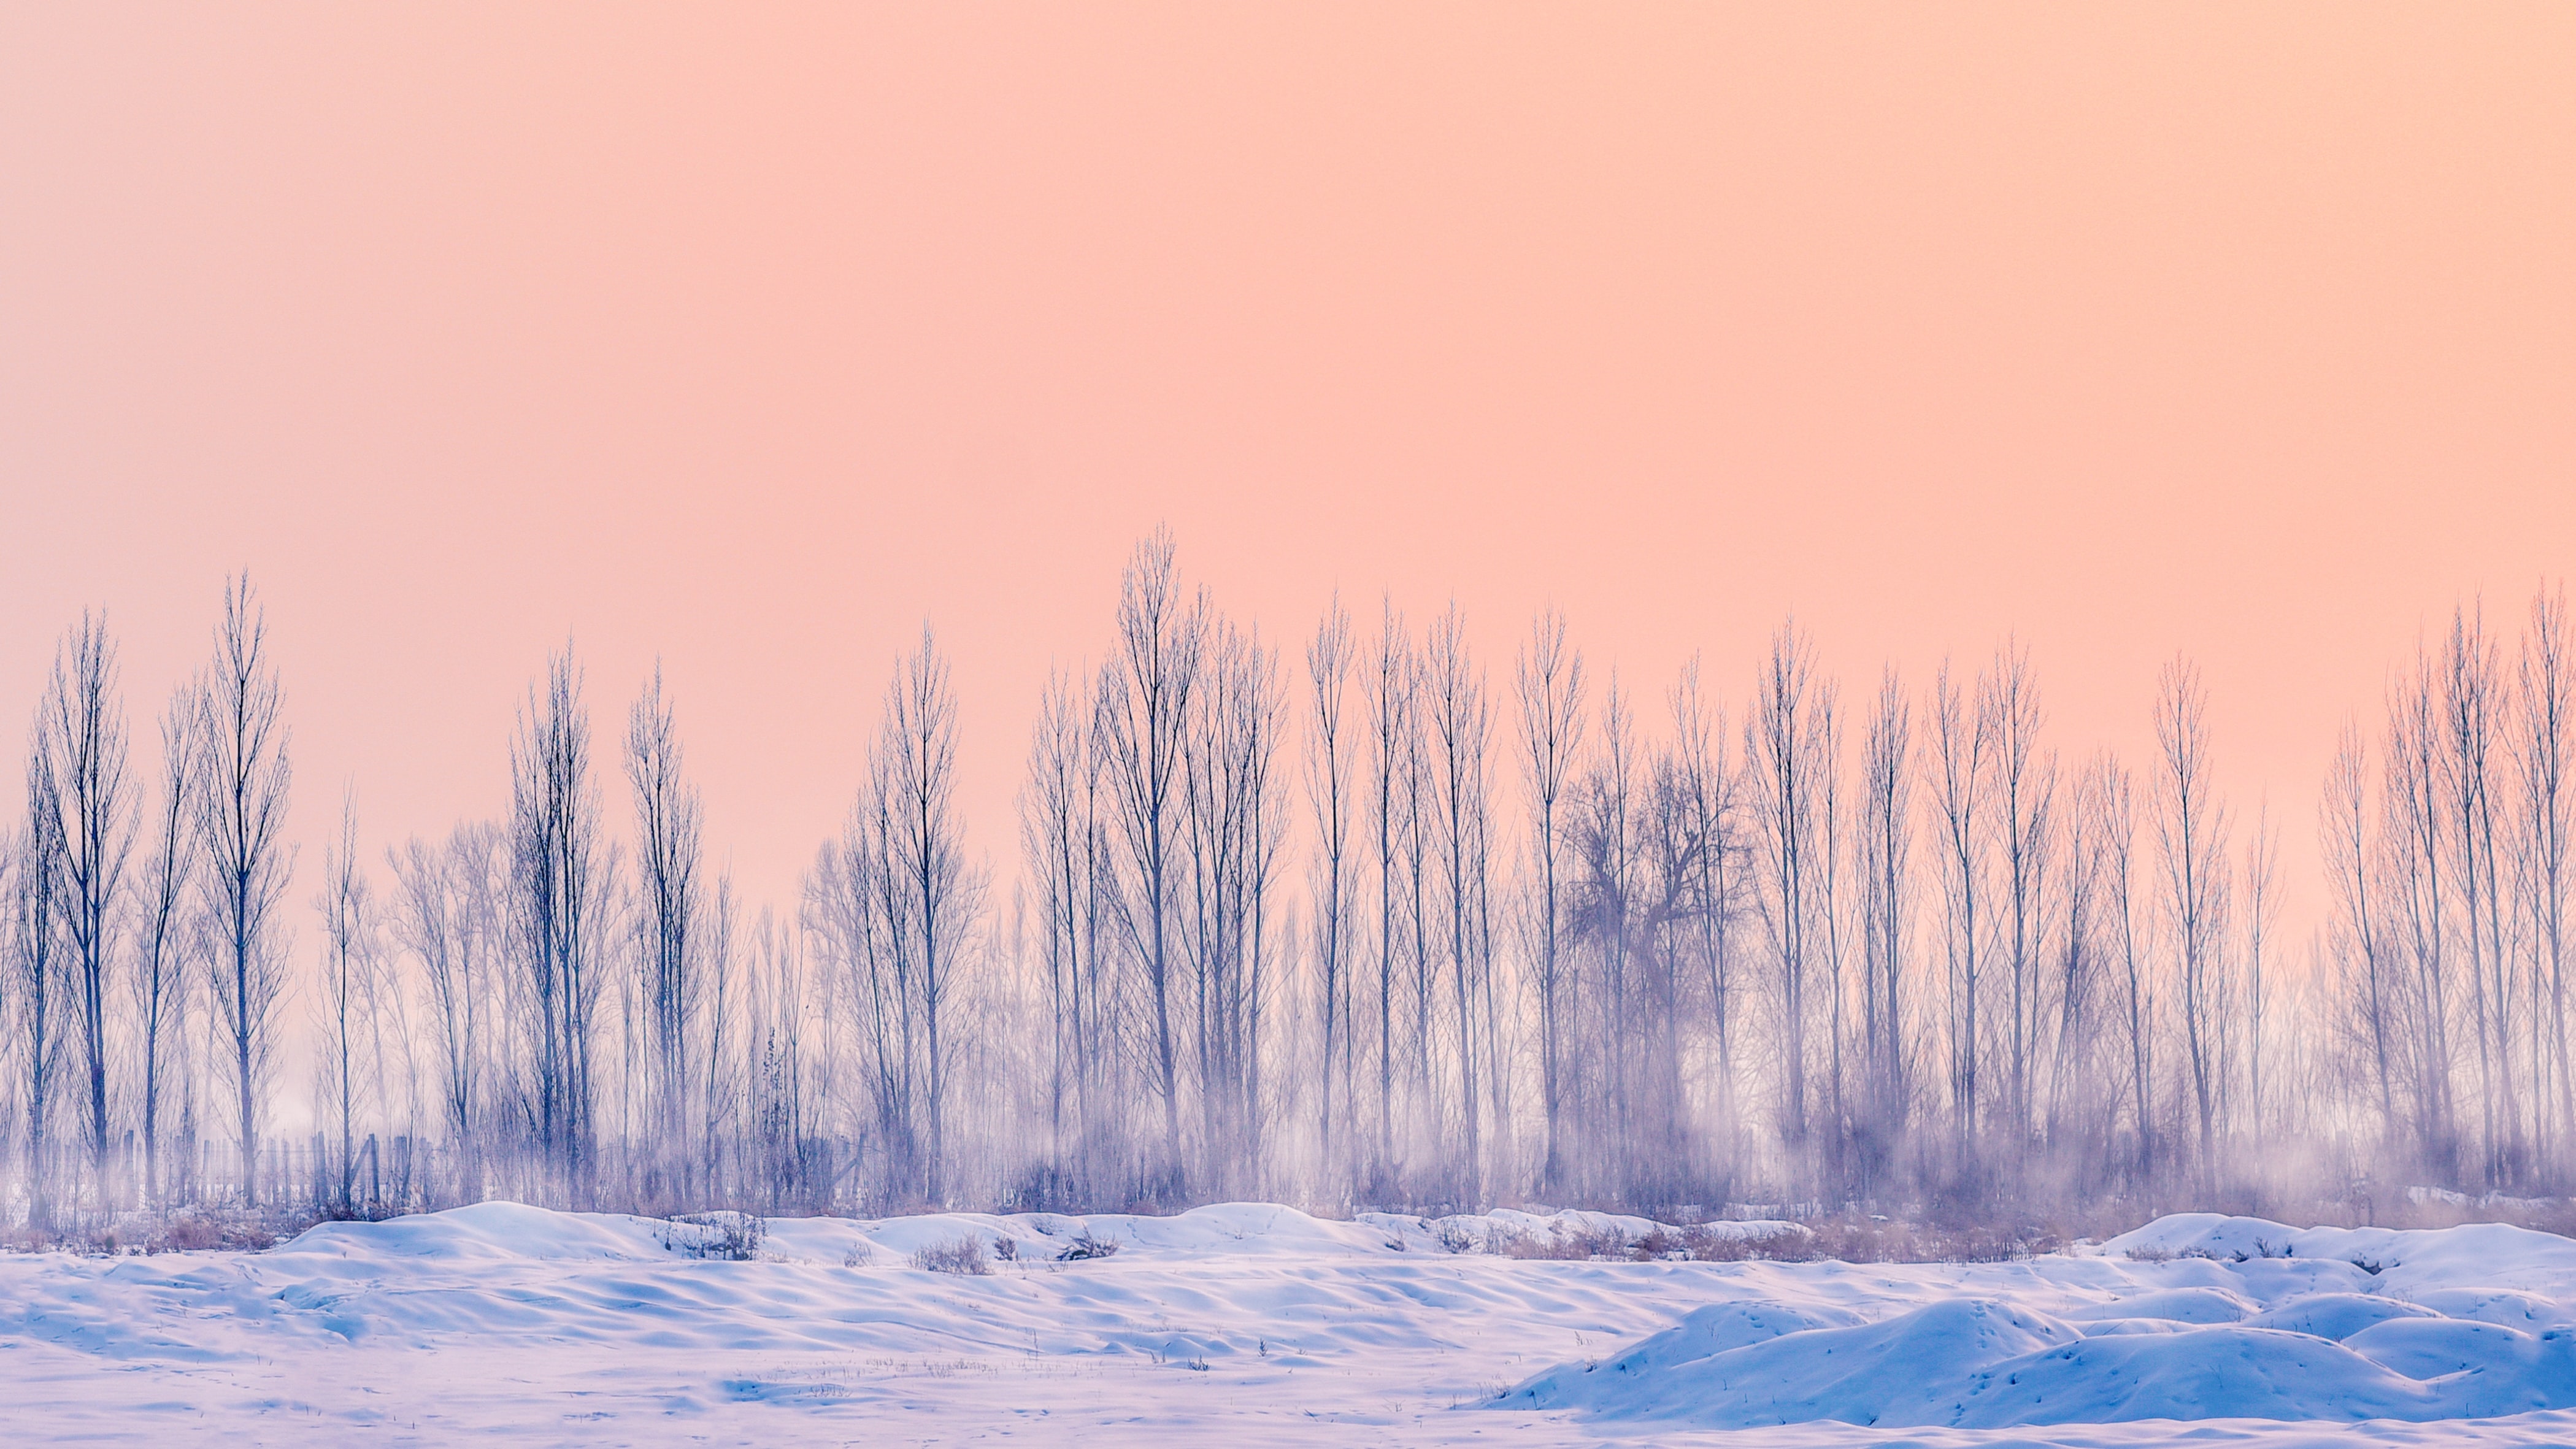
751,336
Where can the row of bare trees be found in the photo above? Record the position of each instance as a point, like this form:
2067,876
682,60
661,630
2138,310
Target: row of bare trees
1556,942
1374,919
140,992
2448,849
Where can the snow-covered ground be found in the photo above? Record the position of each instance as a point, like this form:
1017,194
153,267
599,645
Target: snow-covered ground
1244,1325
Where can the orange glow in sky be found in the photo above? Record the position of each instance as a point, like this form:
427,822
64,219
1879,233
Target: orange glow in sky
750,336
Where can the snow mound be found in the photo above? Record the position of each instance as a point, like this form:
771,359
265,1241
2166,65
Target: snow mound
2174,1305
486,1231
2197,1317
2219,1372
2336,1316
1915,1368
2485,1255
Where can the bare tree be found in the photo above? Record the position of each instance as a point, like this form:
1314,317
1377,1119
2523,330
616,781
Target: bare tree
2026,786
1549,681
446,917
1063,838
2542,749
2191,840
2351,855
1702,784
1886,854
2262,917
1230,846
720,1077
161,967
936,894
669,927
1392,733
2412,799
1680,929
559,884
1792,746
1962,766
1607,904
2471,703
1144,717
1833,934
36,976
2111,787
345,1004
857,903
80,750
241,817
1461,732
2080,1115
1331,759
781,1110
1415,850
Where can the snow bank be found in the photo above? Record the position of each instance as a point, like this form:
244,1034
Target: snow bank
1250,1323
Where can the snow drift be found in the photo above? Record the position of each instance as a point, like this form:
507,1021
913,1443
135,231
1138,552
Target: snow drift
1250,1323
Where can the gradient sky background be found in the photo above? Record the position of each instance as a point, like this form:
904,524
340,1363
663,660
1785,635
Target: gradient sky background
751,336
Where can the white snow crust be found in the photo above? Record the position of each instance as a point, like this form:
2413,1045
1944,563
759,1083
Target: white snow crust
1248,1324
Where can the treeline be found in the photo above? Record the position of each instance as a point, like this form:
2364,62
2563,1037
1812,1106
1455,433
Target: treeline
1361,918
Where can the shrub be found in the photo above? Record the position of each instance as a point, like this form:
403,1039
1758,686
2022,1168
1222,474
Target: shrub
1604,1241
721,1236
1086,1247
1562,1245
1787,1244
965,1256
1852,1240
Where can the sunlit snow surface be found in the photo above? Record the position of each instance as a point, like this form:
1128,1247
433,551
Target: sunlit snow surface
1244,1325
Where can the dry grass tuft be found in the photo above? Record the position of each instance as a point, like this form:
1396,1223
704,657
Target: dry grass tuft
965,1256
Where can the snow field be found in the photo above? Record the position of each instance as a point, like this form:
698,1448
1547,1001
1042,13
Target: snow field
1255,1324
